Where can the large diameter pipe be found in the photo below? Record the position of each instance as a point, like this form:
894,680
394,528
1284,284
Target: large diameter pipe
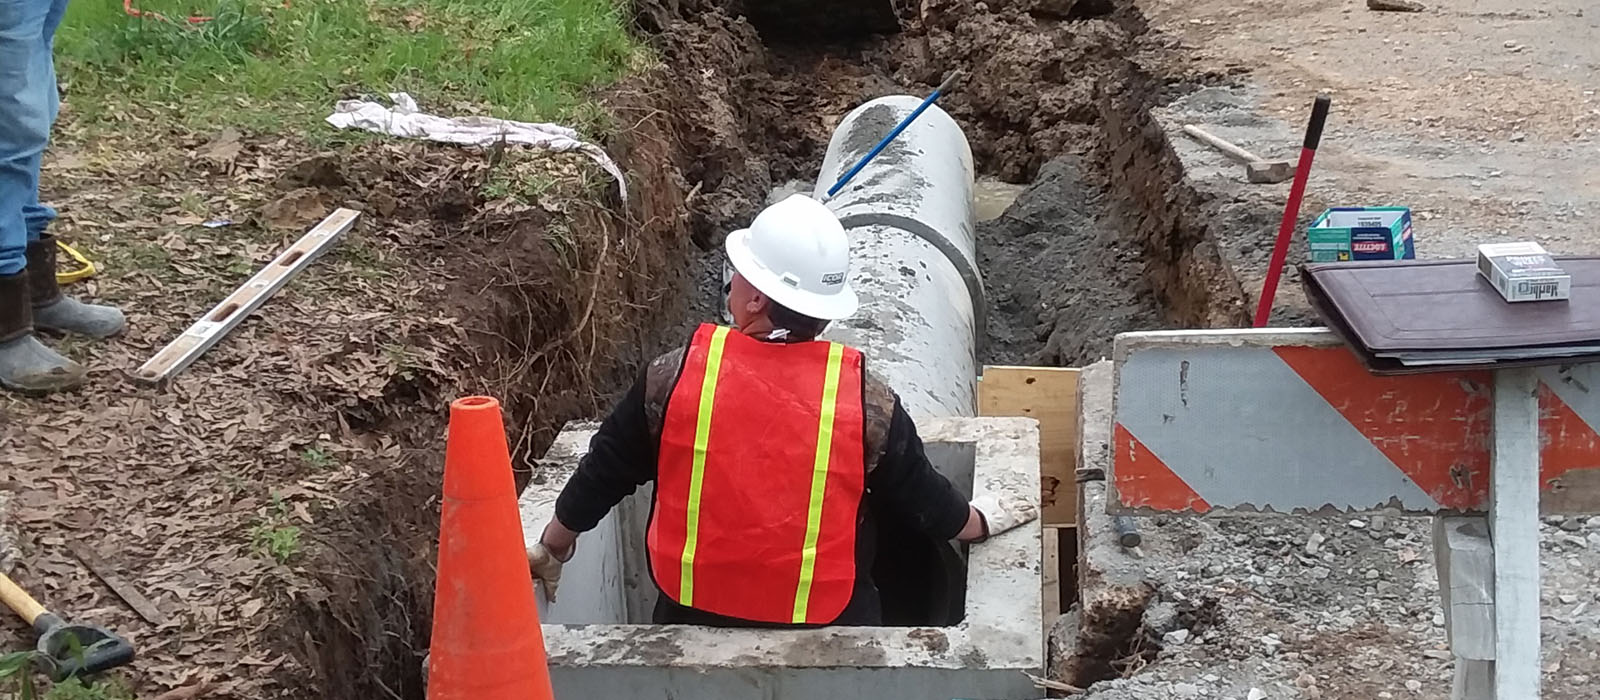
913,257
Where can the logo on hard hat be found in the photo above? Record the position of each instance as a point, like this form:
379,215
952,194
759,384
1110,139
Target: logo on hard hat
833,278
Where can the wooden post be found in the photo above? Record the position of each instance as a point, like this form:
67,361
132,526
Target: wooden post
1464,557
1514,529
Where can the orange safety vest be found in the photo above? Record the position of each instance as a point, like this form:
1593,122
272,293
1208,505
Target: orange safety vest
760,475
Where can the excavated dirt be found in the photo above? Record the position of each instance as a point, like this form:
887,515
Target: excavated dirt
553,296
1108,236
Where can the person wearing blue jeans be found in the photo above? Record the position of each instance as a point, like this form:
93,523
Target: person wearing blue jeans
29,297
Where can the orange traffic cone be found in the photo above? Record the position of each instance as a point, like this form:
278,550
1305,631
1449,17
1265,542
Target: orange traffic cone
487,643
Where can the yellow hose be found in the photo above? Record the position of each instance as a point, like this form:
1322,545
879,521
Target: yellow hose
85,268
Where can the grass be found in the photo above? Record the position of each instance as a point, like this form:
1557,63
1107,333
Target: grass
263,66
274,536
75,689
318,458
17,675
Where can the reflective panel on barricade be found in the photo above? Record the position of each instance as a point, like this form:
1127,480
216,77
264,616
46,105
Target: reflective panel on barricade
1290,421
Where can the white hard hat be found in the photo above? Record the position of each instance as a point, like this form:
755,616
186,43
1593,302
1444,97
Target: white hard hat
796,253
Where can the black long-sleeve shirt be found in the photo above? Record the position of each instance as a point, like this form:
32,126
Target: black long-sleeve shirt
901,484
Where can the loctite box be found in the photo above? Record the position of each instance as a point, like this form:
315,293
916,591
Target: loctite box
1362,233
1523,271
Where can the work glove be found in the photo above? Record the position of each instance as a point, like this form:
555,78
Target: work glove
1002,513
547,568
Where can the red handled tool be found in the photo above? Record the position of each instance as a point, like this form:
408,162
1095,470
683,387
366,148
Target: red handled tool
1280,251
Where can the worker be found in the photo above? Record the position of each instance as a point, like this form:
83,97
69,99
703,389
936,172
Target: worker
774,454
29,297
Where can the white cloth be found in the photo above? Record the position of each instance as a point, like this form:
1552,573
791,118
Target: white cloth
405,120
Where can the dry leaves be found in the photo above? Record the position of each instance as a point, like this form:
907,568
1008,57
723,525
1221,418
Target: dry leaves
168,483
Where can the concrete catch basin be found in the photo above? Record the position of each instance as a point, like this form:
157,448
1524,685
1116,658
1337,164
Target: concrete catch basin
601,645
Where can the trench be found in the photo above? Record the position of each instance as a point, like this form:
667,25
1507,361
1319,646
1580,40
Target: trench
1086,229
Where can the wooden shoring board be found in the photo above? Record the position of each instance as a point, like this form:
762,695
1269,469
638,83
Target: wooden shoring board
1050,576
238,306
1049,395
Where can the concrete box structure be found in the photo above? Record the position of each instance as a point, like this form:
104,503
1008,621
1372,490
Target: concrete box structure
601,646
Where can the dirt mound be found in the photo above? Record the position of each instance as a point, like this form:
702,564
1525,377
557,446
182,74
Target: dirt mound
1031,76
1074,279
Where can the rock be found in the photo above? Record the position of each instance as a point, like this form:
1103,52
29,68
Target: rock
1305,680
1175,637
1315,543
1594,522
1395,6
1162,618
1440,654
1186,690
1519,136
1063,642
1372,574
1568,598
1572,524
1358,524
1379,522
1414,685
1594,541
1256,694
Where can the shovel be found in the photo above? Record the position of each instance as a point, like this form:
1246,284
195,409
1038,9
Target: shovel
73,649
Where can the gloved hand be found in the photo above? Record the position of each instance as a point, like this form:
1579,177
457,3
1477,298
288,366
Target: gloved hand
547,568
1002,513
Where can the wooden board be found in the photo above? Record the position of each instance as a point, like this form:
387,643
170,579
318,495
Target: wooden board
1514,534
1050,575
1049,395
118,585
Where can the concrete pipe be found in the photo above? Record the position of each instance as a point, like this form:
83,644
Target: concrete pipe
914,264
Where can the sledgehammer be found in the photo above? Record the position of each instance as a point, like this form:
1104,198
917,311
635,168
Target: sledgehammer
1255,169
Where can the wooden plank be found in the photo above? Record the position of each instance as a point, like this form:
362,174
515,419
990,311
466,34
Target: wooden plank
1049,395
118,585
1514,532
238,306
1464,557
1050,576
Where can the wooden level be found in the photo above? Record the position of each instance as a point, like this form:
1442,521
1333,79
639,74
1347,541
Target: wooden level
238,306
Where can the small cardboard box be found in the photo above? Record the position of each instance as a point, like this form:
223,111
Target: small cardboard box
1362,233
1523,271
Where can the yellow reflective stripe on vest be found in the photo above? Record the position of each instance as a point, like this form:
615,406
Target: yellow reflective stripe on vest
702,436
819,481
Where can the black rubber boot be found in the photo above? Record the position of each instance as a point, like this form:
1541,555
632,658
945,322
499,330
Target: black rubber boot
26,364
54,311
